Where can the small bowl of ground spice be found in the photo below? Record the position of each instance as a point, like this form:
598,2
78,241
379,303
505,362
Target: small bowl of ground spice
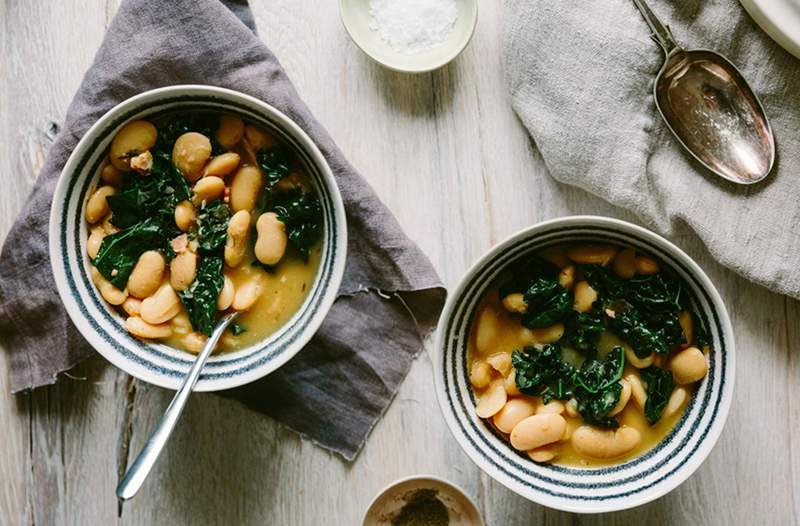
422,501
412,36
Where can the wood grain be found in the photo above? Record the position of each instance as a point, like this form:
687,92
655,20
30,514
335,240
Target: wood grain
448,156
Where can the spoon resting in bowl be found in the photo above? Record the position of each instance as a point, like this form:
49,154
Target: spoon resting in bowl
141,467
710,108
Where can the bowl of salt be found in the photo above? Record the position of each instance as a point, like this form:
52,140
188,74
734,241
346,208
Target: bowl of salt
412,36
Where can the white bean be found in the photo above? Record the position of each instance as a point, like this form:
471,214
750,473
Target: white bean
225,298
624,396
110,293
146,275
486,331
138,327
585,296
272,239
515,302
624,264
182,270
492,400
132,139
514,412
97,206
538,430
544,453
236,241
500,362
246,294
161,306
676,400
592,254
605,443
689,365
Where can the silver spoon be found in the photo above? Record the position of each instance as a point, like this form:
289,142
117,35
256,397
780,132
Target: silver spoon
711,109
140,468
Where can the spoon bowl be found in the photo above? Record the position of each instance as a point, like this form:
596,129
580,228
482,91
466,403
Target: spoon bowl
710,108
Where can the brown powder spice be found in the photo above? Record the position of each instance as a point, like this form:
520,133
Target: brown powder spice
422,509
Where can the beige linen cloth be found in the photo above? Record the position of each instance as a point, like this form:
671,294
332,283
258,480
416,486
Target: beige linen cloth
581,80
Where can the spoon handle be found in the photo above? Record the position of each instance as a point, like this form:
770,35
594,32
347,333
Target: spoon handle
660,32
140,468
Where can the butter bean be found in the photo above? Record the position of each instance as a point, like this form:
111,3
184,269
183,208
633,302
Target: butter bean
180,323
236,240
624,396
605,443
230,131
500,362
572,408
257,137
486,329
510,383
97,206
625,263
544,453
245,186
646,266
585,296
542,335
515,303
225,298
272,239
480,374
639,363
111,175
190,153
207,189
676,401
566,277
554,407
492,400
246,294
108,228
194,341
689,365
514,412
132,306
637,389
110,293
538,430
131,140
182,270
94,241
146,275
138,327
222,165
592,254
556,256
185,215
161,306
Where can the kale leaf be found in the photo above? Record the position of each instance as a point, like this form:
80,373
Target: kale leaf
237,329
200,122
119,252
548,303
582,330
200,298
301,213
659,388
543,373
594,409
527,271
628,324
276,163
213,227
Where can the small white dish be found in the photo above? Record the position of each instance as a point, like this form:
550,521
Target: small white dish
387,504
103,327
780,19
585,490
357,19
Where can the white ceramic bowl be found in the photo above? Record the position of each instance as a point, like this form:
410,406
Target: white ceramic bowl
585,490
103,327
387,504
357,19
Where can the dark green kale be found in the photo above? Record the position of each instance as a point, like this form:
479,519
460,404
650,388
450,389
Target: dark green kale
200,298
213,228
596,385
301,213
659,385
548,303
628,324
119,252
582,330
146,196
276,163
526,272
543,373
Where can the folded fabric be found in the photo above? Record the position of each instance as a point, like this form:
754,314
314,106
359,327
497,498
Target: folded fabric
337,387
581,80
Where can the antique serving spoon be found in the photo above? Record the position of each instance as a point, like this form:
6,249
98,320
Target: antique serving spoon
140,468
711,109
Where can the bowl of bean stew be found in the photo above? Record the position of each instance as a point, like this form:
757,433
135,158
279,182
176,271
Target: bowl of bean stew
185,203
586,363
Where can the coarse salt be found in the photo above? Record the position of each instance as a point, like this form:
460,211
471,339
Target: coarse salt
411,26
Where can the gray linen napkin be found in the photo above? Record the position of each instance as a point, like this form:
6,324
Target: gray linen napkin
337,387
580,76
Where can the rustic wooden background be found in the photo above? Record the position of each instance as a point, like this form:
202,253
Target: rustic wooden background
447,155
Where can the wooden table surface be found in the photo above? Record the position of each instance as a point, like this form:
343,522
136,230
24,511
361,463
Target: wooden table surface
450,159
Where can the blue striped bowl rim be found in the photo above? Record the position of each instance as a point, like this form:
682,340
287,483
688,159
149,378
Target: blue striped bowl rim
587,490
103,327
